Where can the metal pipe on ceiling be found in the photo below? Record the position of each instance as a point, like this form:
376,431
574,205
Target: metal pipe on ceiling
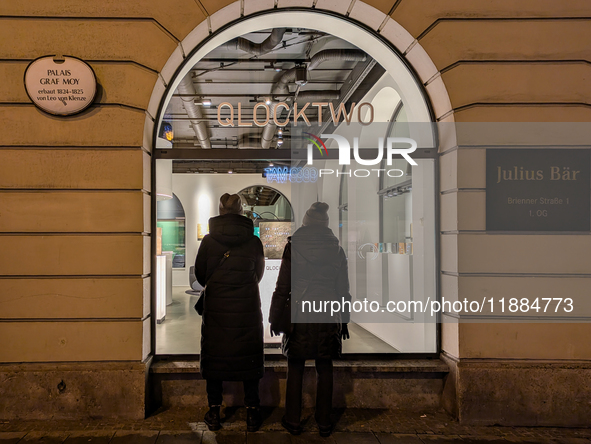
187,89
264,47
187,92
280,89
290,76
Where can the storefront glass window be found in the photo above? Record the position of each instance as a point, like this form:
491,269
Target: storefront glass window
242,96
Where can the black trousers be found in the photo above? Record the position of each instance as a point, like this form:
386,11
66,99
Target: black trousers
293,395
251,392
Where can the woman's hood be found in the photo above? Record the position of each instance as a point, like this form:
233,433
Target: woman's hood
231,229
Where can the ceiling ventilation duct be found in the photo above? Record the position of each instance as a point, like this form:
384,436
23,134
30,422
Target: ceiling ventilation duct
264,47
187,92
280,90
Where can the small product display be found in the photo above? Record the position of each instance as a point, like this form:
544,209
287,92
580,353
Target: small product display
274,237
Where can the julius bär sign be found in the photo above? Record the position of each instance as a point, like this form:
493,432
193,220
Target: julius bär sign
538,190
60,86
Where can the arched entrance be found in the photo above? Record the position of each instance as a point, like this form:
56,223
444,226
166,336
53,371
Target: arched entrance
221,103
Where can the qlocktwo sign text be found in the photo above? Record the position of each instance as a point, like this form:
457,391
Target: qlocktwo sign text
538,190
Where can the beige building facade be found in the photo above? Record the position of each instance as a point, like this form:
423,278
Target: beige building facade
76,213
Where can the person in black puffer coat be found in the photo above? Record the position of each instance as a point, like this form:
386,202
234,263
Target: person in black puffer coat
232,323
313,268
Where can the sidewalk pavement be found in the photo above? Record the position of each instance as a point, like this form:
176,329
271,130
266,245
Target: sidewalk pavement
355,426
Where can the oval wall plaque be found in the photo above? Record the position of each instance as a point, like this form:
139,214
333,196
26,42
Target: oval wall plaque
61,86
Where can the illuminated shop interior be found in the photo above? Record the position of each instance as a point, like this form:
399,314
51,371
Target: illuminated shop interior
386,225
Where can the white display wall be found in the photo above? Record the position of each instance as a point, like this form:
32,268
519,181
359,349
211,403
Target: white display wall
410,277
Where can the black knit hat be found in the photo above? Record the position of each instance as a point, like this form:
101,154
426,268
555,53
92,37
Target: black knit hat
230,204
317,214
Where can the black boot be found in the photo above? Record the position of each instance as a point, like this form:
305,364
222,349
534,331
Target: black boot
212,418
291,428
253,419
325,429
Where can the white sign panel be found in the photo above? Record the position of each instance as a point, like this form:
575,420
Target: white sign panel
266,288
60,86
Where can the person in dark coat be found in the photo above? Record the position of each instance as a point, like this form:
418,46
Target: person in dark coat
231,263
313,268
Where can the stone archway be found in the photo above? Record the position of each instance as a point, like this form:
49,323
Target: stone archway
421,81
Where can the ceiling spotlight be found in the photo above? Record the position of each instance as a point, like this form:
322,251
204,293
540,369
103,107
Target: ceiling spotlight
280,132
272,67
270,164
301,76
230,171
267,101
203,102
279,142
